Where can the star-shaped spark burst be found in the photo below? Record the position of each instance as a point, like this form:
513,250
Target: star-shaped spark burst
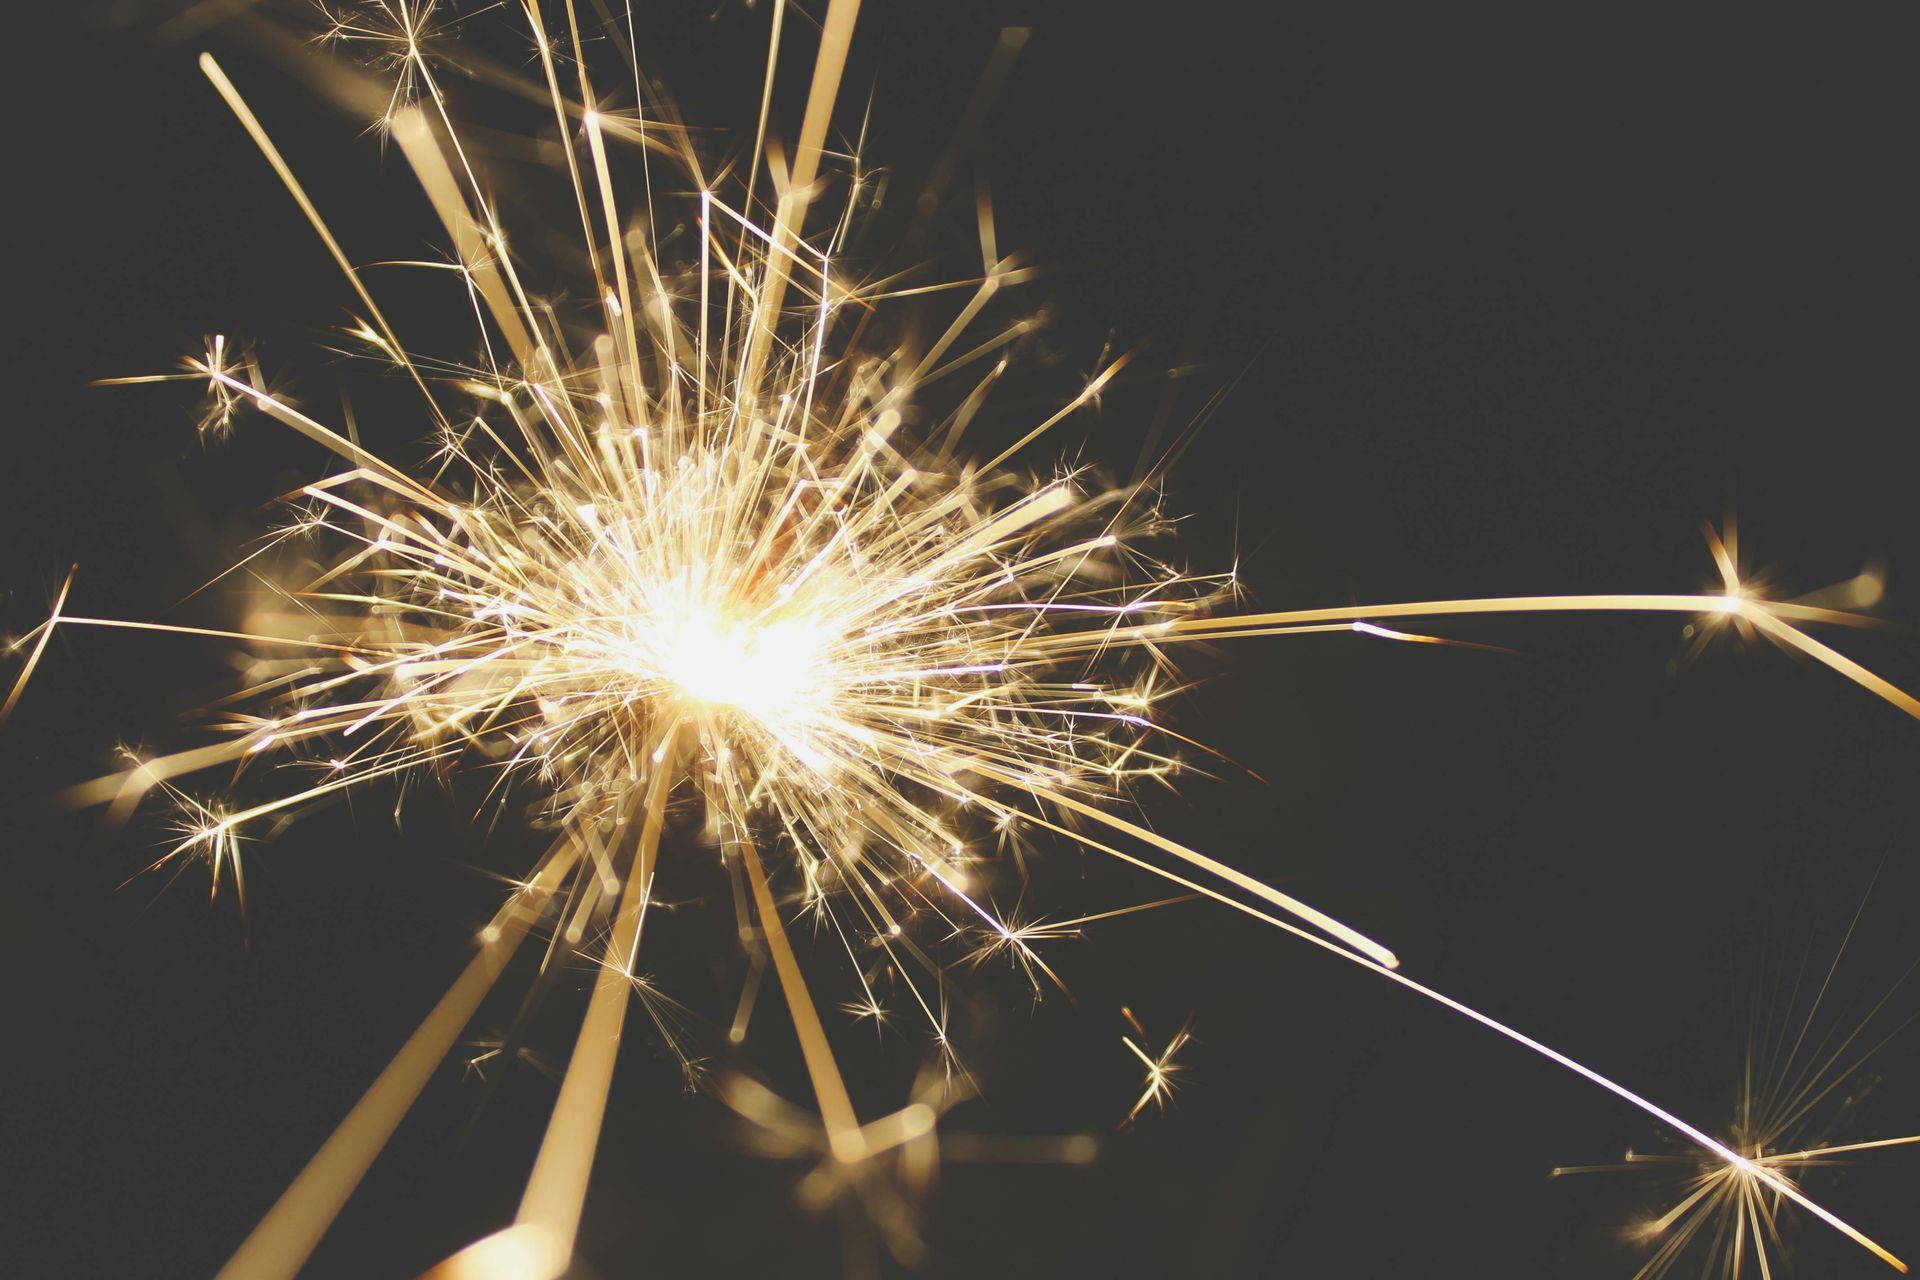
1158,1087
1802,1085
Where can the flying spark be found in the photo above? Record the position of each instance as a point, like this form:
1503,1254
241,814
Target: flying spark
1800,1082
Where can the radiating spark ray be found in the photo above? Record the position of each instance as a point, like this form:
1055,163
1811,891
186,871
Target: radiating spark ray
836,35
1767,622
280,1244
299,194
557,1188
1769,616
39,646
1814,1153
836,1108
410,130
1345,935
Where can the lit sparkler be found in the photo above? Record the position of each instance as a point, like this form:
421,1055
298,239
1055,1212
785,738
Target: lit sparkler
688,546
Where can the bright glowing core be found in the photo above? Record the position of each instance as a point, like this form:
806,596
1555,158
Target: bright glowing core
769,669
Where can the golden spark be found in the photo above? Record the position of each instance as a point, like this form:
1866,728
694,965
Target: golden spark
1785,1107
710,541
1161,1067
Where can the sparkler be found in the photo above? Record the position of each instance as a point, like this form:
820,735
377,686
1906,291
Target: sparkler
690,548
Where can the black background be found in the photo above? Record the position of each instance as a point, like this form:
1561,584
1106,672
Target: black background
1513,304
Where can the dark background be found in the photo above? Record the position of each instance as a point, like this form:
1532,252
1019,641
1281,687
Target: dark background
1513,305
